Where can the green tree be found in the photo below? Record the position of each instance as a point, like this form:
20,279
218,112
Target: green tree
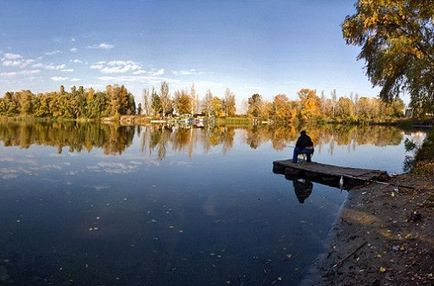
155,102
397,40
124,98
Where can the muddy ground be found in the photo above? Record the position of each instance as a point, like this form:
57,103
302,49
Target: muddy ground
384,236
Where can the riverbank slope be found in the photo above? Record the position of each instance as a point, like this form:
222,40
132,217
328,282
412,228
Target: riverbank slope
384,233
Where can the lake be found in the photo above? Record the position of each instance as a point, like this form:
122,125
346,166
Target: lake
94,204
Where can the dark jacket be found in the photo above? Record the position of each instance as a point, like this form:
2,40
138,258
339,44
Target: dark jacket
304,141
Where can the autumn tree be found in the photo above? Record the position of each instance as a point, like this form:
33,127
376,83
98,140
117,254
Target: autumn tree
310,105
11,104
229,103
266,109
183,102
25,102
147,102
41,105
216,107
345,109
100,105
366,110
397,40
206,103
255,104
166,102
397,107
123,100
195,100
114,100
76,100
282,110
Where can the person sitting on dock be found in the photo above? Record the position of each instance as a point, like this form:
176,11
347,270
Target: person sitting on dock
304,145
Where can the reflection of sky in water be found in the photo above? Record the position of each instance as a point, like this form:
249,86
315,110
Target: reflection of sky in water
389,158
210,219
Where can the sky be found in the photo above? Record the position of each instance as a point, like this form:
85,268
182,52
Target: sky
266,47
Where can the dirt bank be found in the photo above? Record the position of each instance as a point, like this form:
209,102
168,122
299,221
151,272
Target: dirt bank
384,236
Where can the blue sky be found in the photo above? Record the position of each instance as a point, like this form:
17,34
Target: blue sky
268,47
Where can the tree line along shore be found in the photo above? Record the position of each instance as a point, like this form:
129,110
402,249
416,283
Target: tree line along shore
116,102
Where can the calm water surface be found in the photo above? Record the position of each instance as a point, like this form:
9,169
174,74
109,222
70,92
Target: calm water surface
88,204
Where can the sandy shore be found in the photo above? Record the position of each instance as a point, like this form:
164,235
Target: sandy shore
384,236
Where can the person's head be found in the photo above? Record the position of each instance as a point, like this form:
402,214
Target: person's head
303,132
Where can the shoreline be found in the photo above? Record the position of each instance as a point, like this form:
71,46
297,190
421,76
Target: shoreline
382,236
240,119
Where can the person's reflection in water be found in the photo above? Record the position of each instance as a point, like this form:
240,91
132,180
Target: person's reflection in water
302,188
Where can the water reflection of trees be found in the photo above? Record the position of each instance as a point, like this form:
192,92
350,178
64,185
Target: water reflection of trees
187,139
113,139
159,139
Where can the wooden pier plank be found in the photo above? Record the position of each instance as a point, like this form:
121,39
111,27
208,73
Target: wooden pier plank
352,176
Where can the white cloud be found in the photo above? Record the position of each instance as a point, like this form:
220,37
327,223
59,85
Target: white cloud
137,78
54,67
75,79
184,72
11,56
15,60
52,53
76,61
105,46
73,50
140,72
72,39
67,70
113,168
22,72
158,72
58,78
102,46
38,65
116,66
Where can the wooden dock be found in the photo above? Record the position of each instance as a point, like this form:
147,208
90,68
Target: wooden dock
328,174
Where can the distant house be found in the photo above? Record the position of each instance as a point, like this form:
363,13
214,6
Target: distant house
185,119
199,119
